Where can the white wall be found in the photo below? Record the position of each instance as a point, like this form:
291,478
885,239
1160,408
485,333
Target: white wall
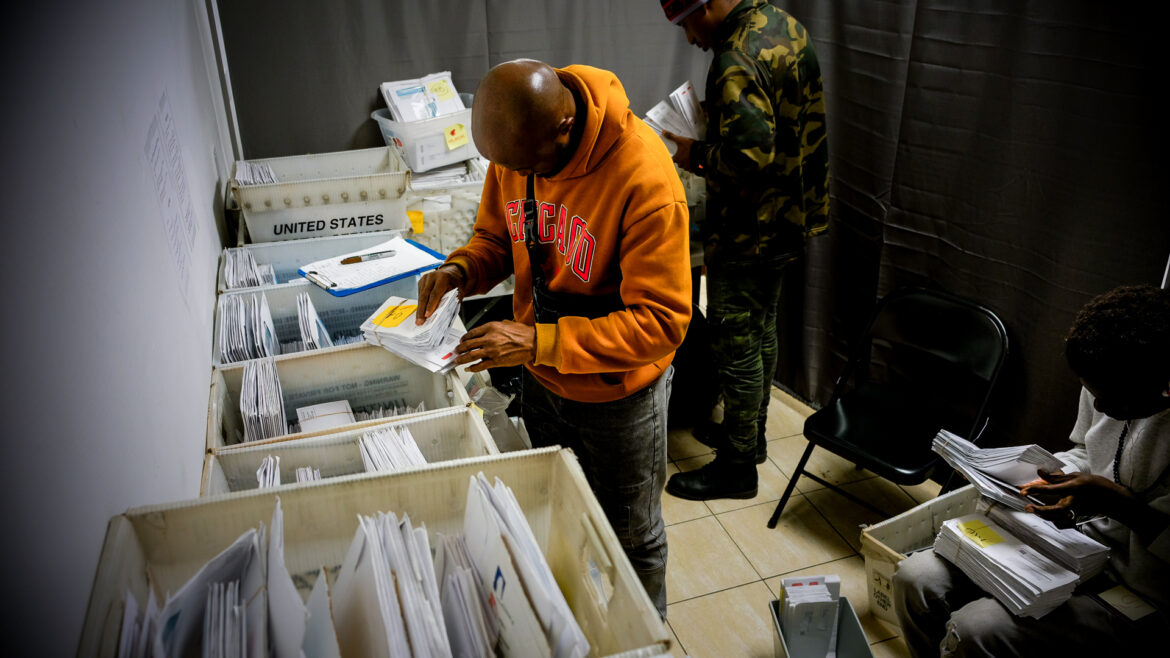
106,343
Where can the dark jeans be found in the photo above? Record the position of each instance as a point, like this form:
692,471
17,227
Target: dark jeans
741,317
621,446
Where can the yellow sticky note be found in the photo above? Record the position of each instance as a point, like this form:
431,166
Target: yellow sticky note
441,90
978,532
395,315
456,136
477,409
416,220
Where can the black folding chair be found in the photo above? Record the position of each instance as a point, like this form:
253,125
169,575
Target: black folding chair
929,360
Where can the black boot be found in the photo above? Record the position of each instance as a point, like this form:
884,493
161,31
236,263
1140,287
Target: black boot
730,475
711,434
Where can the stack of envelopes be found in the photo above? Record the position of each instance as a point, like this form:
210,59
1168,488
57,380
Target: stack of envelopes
261,401
1017,575
389,449
314,335
997,473
246,330
1069,547
430,345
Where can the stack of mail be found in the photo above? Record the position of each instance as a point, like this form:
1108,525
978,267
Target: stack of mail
386,599
809,608
390,449
308,474
430,345
1068,547
997,473
421,98
241,271
681,114
472,626
1024,581
534,617
314,335
254,173
246,330
224,622
261,401
268,475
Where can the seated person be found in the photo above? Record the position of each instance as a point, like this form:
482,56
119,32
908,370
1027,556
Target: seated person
1119,347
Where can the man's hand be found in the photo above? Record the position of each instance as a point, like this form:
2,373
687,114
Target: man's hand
433,285
682,157
1078,493
497,344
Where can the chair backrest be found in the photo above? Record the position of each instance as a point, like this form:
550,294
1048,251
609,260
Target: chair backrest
947,349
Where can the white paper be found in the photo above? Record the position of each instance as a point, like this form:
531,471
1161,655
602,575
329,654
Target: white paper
324,416
408,259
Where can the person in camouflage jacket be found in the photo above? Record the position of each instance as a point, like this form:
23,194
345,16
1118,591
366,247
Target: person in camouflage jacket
765,161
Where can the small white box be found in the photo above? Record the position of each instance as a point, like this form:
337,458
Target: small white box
364,374
287,256
325,194
426,144
885,544
444,435
173,541
341,315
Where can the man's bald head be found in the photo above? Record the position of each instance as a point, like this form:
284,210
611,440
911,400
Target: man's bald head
522,116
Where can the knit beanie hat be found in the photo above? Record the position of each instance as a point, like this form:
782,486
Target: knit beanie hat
677,10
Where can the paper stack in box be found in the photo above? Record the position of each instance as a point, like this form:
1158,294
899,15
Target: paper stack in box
1017,575
421,98
430,345
808,614
389,449
997,473
1073,550
261,401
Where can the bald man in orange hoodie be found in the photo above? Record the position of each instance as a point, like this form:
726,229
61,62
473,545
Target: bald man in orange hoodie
583,203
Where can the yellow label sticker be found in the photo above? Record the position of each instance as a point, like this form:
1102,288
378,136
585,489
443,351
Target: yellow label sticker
456,136
477,409
978,532
416,220
441,90
395,315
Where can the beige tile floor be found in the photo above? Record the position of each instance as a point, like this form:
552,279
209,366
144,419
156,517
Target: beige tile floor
725,565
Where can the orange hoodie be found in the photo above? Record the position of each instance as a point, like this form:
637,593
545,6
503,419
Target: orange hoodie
614,219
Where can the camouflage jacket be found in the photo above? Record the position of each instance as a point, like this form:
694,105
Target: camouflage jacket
766,154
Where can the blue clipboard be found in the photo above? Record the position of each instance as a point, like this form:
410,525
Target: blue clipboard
323,272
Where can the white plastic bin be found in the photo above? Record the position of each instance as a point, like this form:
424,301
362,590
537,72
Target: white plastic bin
364,374
443,435
171,542
885,544
429,143
448,211
851,640
341,315
325,194
286,257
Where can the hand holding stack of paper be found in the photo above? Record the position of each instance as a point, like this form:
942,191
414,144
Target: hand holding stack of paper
1068,547
1024,581
431,344
681,114
997,473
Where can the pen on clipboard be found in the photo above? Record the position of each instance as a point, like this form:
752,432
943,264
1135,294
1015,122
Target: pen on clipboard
367,257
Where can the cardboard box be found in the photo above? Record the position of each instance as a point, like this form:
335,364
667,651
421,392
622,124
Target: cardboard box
851,640
341,315
325,194
173,541
362,373
885,544
443,435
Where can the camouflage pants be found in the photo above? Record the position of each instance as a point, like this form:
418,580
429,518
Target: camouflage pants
741,314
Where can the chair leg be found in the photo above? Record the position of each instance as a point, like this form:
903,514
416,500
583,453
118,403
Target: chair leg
791,485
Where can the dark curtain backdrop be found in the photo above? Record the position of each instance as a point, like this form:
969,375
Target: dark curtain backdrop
1006,151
